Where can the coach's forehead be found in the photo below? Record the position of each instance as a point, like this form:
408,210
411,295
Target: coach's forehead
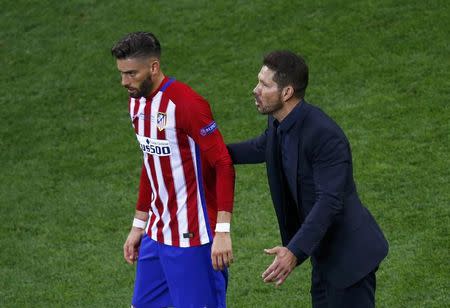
266,74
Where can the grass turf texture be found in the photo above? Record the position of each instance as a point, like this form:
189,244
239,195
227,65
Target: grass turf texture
70,164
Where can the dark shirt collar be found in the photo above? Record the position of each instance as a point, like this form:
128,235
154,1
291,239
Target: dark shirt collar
289,120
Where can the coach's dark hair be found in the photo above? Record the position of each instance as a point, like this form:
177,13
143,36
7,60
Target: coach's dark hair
137,44
290,69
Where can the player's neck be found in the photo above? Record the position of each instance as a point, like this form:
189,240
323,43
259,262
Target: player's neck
158,80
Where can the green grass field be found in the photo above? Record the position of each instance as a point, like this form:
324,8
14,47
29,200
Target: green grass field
70,164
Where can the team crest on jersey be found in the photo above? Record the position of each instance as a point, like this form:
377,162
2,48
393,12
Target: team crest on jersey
161,120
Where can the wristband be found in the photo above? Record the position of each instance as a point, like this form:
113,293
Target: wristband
223,227
139,223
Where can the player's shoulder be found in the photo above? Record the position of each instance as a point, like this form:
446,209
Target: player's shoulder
180,92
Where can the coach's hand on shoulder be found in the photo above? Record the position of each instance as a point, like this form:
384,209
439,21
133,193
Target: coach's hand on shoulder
284,263
131,246
221,251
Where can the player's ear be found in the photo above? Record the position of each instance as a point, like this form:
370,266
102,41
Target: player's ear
154,66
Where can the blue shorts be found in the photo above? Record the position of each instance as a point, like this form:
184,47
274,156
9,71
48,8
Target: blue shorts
168,276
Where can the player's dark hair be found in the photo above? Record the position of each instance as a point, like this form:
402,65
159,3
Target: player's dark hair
290,69
136,45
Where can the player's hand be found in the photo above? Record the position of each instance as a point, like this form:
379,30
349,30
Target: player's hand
221,251
284,263
131,246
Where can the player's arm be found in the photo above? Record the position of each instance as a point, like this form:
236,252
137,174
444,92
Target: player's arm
133,241
222,252
214,150
200,125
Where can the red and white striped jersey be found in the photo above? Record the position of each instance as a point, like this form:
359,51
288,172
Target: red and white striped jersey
187,174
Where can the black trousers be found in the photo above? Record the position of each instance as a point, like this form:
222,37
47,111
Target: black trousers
359,295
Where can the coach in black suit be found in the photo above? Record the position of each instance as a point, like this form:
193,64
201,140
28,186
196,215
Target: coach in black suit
309,167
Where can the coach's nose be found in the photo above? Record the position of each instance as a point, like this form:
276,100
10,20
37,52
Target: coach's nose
255,90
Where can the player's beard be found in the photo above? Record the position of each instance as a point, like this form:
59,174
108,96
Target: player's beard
144,88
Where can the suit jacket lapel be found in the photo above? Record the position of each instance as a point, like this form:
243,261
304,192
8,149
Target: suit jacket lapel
291,175
273,166
295,136
275,182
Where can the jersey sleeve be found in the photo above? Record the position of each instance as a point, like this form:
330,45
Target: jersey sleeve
200,126
145,192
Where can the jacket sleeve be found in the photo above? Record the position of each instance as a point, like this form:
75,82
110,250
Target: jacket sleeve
331,162
252,151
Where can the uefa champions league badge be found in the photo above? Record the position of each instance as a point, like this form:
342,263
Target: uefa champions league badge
161,120
208,129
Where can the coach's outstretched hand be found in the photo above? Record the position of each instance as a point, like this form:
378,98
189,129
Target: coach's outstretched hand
284,263
221,251
131,246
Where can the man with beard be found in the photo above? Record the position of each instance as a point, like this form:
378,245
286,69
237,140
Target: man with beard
186,186
309,167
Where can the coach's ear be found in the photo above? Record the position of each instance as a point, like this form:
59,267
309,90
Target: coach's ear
287,93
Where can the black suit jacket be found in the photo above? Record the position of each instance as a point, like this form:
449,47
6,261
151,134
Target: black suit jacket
332,227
